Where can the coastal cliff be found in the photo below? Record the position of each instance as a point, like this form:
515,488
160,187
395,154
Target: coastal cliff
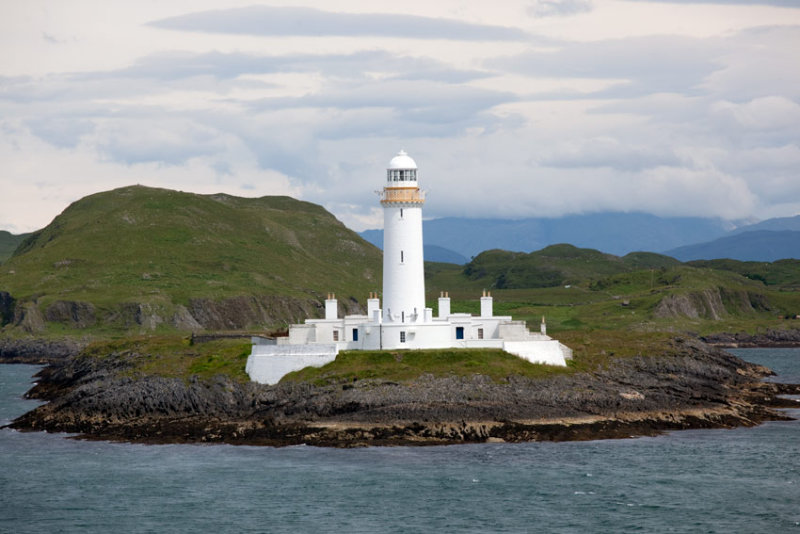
690,385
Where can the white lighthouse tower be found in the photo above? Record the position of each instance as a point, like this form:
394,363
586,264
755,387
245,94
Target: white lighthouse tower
403,262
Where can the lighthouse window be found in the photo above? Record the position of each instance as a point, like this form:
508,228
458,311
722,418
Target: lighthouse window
402,256
402,337
401,213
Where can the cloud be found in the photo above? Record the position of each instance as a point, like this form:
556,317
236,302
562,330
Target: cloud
769,113
550,8
310,22
227,66
642,65
607,152
775,3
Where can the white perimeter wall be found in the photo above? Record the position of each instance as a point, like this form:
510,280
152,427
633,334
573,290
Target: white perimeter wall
267,364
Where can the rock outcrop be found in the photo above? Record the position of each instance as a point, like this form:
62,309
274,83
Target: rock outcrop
715,304
38,351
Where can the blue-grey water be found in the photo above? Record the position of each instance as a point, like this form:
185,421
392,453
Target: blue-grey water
741,480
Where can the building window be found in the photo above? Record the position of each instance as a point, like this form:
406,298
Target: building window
480,333
459,332
336,335
355,334
402,337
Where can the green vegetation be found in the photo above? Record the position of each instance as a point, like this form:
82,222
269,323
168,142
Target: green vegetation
9,243
404,365
781,274
176,356
591,351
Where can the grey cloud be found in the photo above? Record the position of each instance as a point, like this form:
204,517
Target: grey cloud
608,152
418,101
174,66
304,21
63,132
151,139
550,8
644,64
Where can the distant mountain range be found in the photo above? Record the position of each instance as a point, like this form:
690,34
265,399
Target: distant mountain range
758,245
615,233
686,238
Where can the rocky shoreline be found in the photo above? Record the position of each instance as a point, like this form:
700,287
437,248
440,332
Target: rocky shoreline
770,338
39,351
693,385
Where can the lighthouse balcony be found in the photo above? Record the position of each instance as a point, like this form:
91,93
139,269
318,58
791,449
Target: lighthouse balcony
410,195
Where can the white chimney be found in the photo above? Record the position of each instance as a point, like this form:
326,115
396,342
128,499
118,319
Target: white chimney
331,307
486,305
444,305
373,304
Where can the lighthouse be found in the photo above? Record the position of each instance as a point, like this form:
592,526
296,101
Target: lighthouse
403,261
403,322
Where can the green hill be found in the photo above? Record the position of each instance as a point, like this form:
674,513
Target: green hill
782,274
9,243
555,265
154,258
579,289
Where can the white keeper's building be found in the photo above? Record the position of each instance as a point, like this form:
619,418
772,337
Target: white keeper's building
403,322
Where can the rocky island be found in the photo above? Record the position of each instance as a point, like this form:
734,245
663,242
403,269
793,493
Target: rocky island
689,384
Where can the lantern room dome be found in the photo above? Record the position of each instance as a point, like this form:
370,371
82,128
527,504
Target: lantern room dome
402,161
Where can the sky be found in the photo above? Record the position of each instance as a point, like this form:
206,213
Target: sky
512,109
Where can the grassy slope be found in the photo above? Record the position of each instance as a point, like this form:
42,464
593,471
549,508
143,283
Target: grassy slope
9,243
154,245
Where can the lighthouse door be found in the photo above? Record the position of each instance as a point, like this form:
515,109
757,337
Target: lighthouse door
459,332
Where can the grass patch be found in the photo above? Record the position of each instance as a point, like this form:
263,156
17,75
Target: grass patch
406,365
176,357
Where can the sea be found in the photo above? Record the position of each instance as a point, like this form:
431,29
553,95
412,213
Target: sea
727,481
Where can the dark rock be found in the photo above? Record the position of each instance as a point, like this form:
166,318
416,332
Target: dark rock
237,313
7,304
71,313
38,351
